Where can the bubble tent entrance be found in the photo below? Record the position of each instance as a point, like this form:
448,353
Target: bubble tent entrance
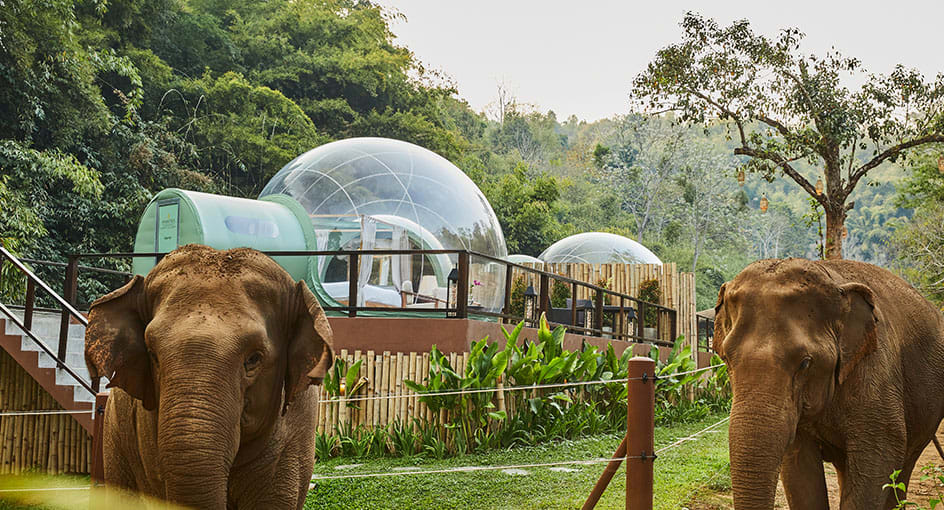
384,194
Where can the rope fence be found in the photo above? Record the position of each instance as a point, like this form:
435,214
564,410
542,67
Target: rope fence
46,412
468,469
516,388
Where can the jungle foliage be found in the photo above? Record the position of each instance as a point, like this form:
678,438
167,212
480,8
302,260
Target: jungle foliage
473,421
103,104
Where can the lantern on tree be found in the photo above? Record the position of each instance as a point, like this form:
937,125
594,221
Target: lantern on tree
845,232
819,186
741,177
940,164
764,203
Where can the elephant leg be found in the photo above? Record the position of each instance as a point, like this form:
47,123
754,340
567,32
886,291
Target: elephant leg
864,476
804,480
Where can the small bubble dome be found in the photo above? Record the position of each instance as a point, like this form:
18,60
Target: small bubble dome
598,248
379,193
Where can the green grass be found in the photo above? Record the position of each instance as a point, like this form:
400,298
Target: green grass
679,473
43,499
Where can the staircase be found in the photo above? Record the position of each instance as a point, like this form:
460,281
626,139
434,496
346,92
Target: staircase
36,350
46,327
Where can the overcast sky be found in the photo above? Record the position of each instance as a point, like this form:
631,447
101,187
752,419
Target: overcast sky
579,57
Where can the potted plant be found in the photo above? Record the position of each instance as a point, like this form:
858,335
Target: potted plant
607,316
650,292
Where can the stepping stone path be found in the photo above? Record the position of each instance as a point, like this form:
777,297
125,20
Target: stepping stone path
343,467
405,468
515,472
564,469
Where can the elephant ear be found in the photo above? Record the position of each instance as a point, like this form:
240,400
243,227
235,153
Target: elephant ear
720,318
114,342
859,336
310,350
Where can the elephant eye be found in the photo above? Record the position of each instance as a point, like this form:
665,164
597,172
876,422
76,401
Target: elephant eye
805,363
253,361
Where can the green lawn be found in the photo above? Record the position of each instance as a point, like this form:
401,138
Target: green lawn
679,473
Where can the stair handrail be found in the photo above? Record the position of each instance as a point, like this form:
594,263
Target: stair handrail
42,285
26,326
42,345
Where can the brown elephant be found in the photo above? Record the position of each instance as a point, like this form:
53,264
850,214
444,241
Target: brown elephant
211,358
834,361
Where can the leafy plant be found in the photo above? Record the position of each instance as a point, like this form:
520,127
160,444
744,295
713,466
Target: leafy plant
560,293
650,292
342,380
325,446
899,488
518,288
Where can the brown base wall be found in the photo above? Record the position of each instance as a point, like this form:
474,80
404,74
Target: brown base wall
402,334
51,444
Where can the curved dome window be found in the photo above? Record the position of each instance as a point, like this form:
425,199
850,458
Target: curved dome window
598,248
379,193
524,259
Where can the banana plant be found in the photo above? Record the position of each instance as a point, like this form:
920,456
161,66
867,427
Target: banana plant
342,381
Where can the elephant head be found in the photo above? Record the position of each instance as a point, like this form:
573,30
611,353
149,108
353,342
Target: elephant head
219,345
791,335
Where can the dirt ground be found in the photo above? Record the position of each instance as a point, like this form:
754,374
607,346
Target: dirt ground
918,491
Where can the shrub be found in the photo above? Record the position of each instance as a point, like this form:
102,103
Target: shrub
650,292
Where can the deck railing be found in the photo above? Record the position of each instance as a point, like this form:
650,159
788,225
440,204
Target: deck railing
609,314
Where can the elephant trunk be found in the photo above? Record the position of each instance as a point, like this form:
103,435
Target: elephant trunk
759,433
198,437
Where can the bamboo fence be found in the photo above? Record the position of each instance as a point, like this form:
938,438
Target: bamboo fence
385,373
677,289
51,444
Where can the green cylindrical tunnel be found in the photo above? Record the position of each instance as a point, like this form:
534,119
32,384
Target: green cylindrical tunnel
177,217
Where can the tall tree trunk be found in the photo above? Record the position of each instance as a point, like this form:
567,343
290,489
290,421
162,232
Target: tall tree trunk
835,220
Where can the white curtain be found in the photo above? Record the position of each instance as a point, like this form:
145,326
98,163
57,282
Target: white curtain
368,241
400,265
321,244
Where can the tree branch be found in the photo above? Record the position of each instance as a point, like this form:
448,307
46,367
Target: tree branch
776,124
889,153
724,110
782,163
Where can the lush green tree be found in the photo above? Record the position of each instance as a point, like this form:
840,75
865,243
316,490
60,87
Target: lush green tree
642,167
244,133
525,206
786,107
918,242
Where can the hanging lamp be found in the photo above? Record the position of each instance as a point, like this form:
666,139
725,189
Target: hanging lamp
764,203
742,177
819,186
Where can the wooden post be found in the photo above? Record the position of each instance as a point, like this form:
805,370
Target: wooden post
640,425
30,302
69,291
352,277
462,292
605,478
509,274
544,297
573,305
98,429
598,312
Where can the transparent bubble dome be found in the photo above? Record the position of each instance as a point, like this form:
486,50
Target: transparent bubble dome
598,248
412,197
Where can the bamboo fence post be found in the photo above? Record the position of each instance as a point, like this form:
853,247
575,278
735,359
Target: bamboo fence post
400,403
359,409
411,402
385,389
342,405
425,413
369,404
